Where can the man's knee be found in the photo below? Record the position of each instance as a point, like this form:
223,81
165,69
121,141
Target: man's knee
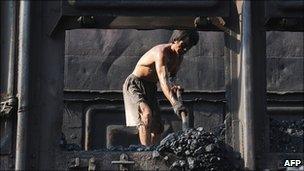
145,110
145,114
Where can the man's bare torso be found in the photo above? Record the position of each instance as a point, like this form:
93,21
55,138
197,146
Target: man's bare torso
145,67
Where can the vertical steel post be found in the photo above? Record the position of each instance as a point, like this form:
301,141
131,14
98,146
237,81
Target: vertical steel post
246,76
252,105
23,82
246,96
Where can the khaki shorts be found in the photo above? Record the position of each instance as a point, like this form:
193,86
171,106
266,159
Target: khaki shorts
136,90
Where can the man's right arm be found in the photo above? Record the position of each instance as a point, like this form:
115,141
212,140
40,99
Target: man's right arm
163,77
167,88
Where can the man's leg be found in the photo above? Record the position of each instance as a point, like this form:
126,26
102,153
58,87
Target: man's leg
144,128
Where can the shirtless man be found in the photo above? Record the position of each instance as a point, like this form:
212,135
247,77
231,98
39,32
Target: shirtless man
160,63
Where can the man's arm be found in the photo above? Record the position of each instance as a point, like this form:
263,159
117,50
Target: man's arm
163,76
168,89
172,77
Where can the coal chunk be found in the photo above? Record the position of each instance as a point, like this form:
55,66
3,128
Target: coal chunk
209,148
155,154
197,149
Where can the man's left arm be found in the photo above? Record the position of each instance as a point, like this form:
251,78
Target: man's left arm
173,79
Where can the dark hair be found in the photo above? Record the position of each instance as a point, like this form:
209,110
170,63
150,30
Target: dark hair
188,36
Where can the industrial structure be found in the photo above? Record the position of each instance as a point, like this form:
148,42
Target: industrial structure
60,97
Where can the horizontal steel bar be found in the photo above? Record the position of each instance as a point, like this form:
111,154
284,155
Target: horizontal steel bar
143,4
285,110
290,5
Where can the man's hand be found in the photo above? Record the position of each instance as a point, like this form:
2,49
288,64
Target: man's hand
175,88
178,108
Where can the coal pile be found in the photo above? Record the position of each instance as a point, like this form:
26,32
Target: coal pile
286,136
132,147
196,149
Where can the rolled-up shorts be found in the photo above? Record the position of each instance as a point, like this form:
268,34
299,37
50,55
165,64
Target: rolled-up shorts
136,90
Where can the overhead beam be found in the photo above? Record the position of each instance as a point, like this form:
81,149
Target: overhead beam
135,4
146,8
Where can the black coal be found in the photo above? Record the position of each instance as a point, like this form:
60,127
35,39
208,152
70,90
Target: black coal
196,149
286,135
132,147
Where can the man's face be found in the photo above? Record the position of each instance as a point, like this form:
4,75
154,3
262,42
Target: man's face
181,47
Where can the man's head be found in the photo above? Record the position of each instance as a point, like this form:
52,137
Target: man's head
184,39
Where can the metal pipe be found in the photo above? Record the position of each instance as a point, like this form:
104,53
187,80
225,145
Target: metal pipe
247,81
22,85
8,35
12,43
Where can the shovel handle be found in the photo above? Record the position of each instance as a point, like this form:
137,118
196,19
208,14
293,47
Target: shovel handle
184,116
185,123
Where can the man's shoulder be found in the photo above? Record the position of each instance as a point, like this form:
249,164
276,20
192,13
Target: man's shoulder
161,48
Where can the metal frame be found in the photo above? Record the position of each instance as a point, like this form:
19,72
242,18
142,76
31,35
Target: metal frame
124,14
89,112
50,61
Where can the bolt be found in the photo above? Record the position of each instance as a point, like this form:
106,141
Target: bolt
73,136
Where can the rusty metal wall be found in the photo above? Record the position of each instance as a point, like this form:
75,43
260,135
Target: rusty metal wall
102,59
284,61
94,57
